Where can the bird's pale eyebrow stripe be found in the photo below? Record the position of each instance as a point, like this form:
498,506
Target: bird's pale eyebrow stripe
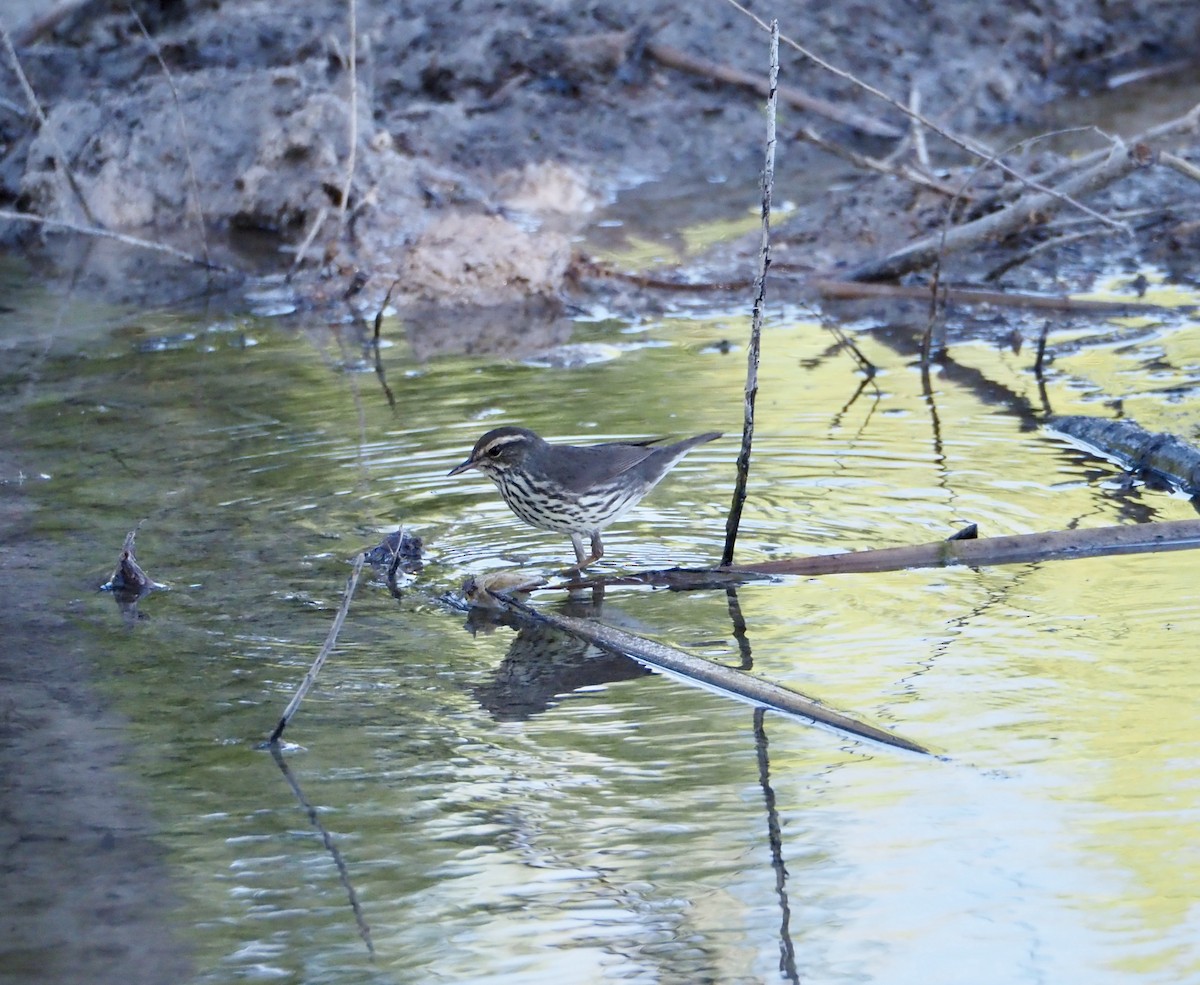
503,442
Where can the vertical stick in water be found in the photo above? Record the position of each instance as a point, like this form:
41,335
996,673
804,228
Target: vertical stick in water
768,184
330,640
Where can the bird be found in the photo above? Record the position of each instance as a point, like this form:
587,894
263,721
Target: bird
573,489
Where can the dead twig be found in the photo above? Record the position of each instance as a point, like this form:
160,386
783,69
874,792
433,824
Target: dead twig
36,108
683,61
144,244
1020,213
768,187
867,163
1176,163
849,289
307,242
184,136
971,146
920,150
311,677
1048,244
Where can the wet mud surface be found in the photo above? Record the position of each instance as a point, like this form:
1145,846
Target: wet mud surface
484,139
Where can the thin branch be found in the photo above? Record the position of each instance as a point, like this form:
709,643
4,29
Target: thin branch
920,150
184,136
1175,163
971,146
36,108
1047,244
768,186
867,163
307,242
685,62
350,164
927,251
145,244
696,670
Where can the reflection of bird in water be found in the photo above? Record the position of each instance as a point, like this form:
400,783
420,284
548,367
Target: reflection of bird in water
542,664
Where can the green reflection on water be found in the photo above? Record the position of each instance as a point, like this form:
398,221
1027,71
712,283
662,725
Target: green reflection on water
621,833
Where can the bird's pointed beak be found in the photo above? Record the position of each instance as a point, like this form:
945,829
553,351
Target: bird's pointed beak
470,463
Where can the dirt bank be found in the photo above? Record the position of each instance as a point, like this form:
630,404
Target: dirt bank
483,137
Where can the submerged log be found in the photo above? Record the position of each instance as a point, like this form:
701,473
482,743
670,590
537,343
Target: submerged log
1158,455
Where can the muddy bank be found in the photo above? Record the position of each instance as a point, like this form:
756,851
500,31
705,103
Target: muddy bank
480,139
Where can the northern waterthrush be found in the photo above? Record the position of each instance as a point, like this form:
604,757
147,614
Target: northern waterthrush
576,490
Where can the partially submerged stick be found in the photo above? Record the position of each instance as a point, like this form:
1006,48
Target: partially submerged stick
1164,455
696,670
854,290
311,677
768,187
1056,545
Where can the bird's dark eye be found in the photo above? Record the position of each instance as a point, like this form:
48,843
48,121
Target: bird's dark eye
493,452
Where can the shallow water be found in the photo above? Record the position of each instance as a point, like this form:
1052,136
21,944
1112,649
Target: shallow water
518,808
